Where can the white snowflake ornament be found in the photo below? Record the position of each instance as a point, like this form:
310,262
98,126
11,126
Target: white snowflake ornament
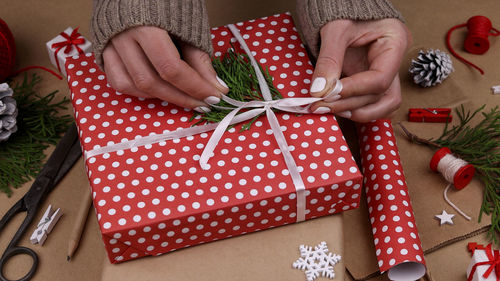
317,261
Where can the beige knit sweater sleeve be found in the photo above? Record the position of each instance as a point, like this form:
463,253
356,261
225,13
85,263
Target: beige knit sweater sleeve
188,21
313,14
185,19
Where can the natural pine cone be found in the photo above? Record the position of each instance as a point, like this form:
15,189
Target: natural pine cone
8,112
431,68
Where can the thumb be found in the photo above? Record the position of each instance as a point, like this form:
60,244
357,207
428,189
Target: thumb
331,57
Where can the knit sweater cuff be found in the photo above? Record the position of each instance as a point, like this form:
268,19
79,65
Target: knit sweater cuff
186,20
316,13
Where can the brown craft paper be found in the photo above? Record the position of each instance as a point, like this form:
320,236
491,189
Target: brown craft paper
35,22
266,255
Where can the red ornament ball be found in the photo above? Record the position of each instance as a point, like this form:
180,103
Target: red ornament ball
7,51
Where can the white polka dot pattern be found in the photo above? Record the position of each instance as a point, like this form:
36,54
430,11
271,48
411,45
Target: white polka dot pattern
155,198
391,215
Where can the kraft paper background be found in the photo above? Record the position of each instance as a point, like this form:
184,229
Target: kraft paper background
268,255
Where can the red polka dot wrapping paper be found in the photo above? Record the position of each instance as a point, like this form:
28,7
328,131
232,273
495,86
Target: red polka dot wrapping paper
155,198
394,230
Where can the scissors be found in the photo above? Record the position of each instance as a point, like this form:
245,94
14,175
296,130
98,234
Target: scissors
66,153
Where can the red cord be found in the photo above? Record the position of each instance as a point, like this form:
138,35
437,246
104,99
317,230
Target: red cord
39,67
448,44
476,42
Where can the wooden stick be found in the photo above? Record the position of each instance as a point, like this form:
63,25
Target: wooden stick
80,220
413,138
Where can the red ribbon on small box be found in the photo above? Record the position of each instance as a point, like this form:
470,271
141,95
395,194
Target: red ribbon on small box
73,39
493,261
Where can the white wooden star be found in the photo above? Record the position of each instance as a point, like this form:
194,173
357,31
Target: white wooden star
445,218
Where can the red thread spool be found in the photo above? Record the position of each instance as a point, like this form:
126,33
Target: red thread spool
476,42
477,38
461,177
7,51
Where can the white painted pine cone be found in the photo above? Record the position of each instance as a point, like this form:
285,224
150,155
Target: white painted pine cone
8,112
431,67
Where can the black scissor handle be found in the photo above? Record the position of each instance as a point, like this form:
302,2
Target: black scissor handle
14,251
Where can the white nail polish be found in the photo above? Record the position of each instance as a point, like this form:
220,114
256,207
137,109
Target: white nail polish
212,100
338,87
333,98
221,82
202,109
346,114
318,85
322,110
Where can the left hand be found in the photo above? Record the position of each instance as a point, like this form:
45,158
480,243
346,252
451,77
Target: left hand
368,54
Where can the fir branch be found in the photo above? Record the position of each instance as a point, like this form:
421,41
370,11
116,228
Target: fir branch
39,125
480,146
236,70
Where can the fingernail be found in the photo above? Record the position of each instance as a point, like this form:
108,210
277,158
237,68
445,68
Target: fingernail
321,110
346,114
318,85
202,109
212,100
333,98
221,82
335,93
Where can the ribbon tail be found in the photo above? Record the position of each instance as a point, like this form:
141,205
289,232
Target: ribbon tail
214,139
290,163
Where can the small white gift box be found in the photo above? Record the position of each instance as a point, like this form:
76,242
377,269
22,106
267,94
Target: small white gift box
67,44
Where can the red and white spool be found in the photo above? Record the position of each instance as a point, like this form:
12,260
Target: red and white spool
454,170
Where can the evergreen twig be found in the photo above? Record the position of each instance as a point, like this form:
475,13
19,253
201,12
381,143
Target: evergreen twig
39,125
236,70
479,146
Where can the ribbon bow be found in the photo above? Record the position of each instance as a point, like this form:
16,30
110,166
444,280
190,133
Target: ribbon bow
493,261
294,105
73,39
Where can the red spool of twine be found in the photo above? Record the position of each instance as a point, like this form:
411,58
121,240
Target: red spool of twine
7,51
476,42
8,55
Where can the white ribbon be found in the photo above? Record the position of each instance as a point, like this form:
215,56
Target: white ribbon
293,105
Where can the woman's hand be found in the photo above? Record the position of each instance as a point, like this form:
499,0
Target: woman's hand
368,54
144,62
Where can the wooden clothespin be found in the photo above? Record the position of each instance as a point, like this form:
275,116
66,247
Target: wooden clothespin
45,226
496,90
429,115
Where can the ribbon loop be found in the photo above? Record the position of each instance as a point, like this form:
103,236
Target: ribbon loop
72,40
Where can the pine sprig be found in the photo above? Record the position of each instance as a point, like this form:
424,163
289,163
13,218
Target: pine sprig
479,145
39,125
236,70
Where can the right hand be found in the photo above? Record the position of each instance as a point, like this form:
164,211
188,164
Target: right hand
144,62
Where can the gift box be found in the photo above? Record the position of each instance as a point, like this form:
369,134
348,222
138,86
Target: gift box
154,197
67,44
485,263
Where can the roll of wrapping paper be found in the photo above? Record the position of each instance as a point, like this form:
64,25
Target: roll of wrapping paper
395,234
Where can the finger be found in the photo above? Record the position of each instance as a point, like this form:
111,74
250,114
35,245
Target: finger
117,74
344,107
165,58
383,108
146,79
329,63
201,63
384,58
